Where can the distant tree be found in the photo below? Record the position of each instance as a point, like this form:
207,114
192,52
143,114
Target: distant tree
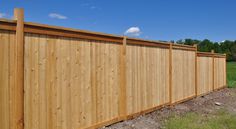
217,47
180,41
172,41
205,46
233,51
228,47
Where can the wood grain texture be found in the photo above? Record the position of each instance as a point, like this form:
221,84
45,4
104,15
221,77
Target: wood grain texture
73,83
205,76
219,73
17,78
5,40
183,75
70,83
148,77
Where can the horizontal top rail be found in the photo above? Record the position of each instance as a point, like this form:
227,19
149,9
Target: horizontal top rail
6,24
209,54
37,28
184,47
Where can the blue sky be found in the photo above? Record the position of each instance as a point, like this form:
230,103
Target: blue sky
148,19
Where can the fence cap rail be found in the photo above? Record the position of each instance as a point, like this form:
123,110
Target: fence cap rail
210,54
6,24
7,20
37,28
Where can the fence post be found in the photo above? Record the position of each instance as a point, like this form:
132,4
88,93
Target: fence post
170,73
17,73
213,69
196,72
122,94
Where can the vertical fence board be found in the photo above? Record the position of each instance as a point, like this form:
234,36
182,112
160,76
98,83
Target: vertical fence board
4,79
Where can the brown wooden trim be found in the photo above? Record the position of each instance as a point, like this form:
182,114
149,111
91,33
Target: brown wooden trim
182,45
70,34
38,25
146,111
199,55
203,94
208,54
36,28
217,89
17,79
73,33
133,41
184,48
7,25
186,99
104,123
3,20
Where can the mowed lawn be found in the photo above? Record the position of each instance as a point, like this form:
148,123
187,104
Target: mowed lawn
231,74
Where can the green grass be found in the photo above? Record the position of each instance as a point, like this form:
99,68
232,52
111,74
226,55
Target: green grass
220,120
231,74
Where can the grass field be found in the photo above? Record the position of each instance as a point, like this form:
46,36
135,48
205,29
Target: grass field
220,120
231,74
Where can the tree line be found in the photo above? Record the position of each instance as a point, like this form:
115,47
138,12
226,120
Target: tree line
227,47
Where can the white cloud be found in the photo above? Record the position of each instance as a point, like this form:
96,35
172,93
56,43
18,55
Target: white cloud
2,15
57,16
133,31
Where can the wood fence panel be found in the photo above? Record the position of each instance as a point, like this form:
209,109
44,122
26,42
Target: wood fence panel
219,73
183,75
6,38
147,77
204,74
78,79
70,83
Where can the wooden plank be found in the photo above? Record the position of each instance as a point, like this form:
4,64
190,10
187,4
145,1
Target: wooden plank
34,73
213,71
196,71
122,92
183,100
42,81
142,112
17,88
7,26
170,73
5,37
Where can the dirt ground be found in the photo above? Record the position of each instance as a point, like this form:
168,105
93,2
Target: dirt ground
203,105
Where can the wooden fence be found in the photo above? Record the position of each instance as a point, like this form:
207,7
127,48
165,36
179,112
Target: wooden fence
54,77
